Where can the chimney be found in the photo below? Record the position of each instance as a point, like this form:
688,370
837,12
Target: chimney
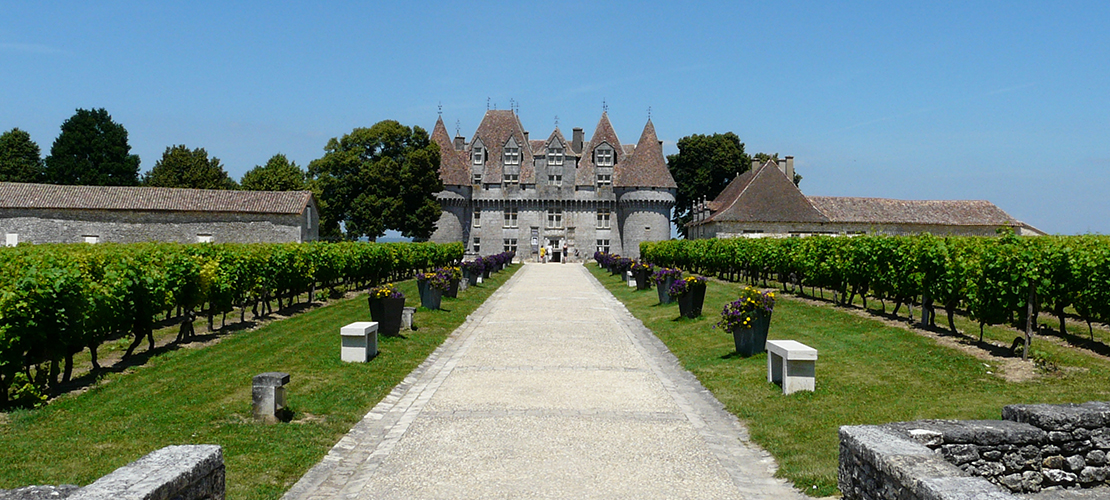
526,138
460,143
755,165
790,168
782,165
576,140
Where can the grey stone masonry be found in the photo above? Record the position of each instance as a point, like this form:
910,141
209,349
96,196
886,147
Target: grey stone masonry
187,472
1043,450
268,395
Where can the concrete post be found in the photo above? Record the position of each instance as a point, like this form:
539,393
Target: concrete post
360,341
268,395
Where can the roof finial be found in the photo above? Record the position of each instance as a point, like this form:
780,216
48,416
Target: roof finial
458,127
487,103
556,121
649,113
512,105
441,109
604,106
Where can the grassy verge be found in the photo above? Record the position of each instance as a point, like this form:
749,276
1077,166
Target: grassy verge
867,373
195,396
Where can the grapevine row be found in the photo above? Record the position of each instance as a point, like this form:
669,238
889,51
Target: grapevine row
58,300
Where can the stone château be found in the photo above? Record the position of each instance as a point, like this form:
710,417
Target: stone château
504,191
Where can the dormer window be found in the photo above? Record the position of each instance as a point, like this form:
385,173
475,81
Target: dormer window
604,179
512,155
603,156
478,154
555,155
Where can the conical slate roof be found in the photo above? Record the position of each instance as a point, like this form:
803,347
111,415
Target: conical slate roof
645,168
453,167
603,134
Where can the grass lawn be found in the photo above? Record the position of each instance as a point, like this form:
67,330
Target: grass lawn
203,396
867,373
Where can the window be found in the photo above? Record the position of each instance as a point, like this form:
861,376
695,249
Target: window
555,179
603,246
478,154
604,179
604,157
511,155
555,155
477,178
308,216
603,218
510,217
477,217
511,178
510,245
204,238
11,239
93,239
554,218
477,245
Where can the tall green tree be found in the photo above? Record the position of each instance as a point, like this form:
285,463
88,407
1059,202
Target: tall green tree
20,157
378,178
278,174
702,168
181,167
92,150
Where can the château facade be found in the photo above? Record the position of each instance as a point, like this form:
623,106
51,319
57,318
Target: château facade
504,191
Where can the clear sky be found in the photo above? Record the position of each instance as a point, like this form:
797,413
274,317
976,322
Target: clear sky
1006,101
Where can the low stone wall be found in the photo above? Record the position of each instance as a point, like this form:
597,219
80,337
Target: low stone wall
190,472
1035,448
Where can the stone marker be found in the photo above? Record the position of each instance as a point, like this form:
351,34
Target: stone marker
360,341
631,278
268,395
406,318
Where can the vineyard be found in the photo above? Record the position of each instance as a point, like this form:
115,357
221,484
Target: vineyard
58,300
1005,280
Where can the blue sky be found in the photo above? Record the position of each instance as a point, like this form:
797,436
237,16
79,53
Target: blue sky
1004,101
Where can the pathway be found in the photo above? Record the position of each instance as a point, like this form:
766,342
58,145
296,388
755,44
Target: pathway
551,389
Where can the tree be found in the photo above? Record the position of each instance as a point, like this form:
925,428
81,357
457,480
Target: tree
702,168
20,157
92,150
378,178
278,174
181,167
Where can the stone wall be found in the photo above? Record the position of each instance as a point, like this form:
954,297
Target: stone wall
187,472
1035,448
122,226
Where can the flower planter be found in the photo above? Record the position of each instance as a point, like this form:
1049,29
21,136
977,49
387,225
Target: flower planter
453,292
751,341
431,297
387,312
689,304
643,279
485,274
662,289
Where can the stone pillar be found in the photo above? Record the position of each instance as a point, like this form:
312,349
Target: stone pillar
407,314
268,395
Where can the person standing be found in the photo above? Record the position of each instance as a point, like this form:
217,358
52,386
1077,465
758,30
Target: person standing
566,256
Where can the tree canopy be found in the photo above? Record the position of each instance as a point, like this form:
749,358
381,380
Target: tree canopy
378,178
181,167
20,157
92,150
702,168
278,174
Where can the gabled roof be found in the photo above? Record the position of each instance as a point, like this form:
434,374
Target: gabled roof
932,212
603,134
646,166
557,136
495,130
51,196
764,195
454,169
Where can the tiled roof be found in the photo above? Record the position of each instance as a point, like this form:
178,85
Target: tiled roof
646,166
934,212
766,196
454,169
604,133
494,131
731,191
538,147
50,196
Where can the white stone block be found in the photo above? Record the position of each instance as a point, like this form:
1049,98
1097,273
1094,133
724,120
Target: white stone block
360,341
791,364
